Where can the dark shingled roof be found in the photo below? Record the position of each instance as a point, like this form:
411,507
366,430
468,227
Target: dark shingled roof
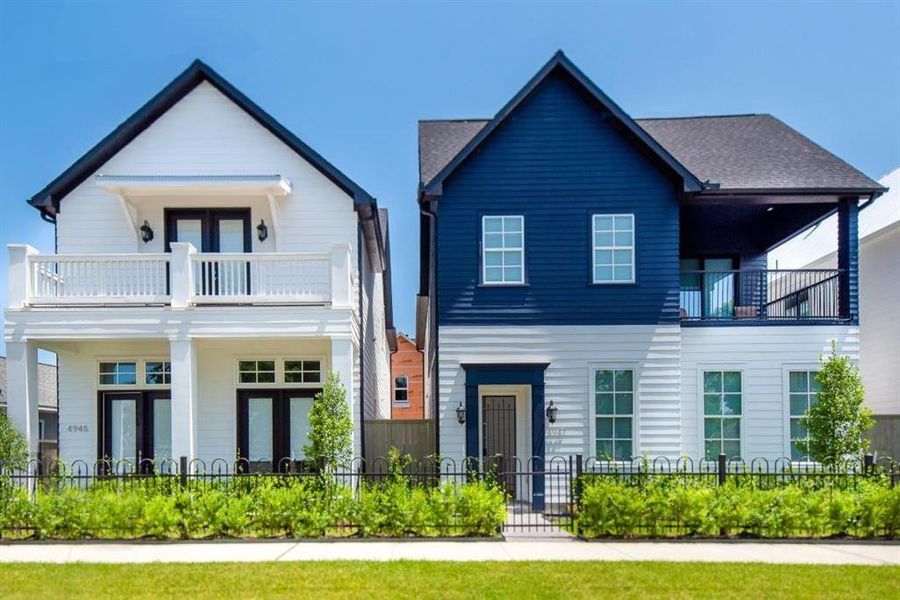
738,152
753,152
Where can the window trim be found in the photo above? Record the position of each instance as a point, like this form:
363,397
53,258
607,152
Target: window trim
483,251
701,431
787,368
593,366
406,402
594,248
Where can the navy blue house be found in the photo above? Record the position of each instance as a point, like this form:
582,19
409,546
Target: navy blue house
597,284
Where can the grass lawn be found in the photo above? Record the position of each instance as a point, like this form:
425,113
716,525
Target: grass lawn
447,580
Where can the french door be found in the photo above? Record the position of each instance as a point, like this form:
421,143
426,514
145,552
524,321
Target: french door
135,426
273,427
214,230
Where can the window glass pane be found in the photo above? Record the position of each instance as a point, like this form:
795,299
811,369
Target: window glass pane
248,377
624,238
513,274
797,429
190,230
512,240
731,428
266,365
162,429
623,428
624,403
798,404
231,236
623,222
813,381
799,450
265,377
493,241
493,274
622,273
712,381
123,430
712,404
712,448
603,223
158,373
247,365
732,381
493,259
712,428
493,224
107,379
622,257
604,427
603,380
624,381
605,238
623,449
604,257
300,428
512,258
603,273
799,381
604,403
512,224
732,404
732,449
259,416
605,449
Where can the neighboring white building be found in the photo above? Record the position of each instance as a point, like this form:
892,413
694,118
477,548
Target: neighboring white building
879,287
211,269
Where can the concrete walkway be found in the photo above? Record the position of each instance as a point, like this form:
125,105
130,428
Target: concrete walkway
808,553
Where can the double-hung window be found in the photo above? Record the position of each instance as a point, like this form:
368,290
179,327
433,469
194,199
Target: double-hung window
803,392
613,248
401,389
503,250
614,413
722,400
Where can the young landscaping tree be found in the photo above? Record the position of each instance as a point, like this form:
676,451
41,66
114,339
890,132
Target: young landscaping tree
13,448
838,419
331,427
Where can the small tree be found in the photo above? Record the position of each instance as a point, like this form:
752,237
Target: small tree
13,448
838,419
330,439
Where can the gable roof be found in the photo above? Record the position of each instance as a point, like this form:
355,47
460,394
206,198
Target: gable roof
47,200
437,149
754,152
440,141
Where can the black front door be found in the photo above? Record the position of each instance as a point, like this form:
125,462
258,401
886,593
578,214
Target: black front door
135,426
214,230
273,427
498,424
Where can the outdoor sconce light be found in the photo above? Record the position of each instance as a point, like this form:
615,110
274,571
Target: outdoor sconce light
551,412
262,232
461,414
146,232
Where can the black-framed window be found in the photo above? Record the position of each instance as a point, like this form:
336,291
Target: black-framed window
401,389
134,426
210,229
273,426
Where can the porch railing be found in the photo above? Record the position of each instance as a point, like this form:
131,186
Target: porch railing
761,295
181,278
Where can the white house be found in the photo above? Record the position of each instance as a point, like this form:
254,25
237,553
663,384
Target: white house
210,270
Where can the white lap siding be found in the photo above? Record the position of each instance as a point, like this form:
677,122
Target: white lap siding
763,355
571,352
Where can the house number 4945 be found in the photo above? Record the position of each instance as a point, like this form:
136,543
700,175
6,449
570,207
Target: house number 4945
77,428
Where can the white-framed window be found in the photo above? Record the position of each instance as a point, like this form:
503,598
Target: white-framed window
118,372
503,249
803,391
256,371
722,410
614,413
157,372
302,371
401,389
613,248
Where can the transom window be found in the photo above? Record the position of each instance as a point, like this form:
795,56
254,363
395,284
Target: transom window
118,373
613,242
503,250
614,412
302,371
722,400
256,371
401,389
803,394
157,372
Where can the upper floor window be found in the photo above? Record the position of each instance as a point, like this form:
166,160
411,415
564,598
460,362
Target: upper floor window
503,250
803,392
613,243
401,389
722,399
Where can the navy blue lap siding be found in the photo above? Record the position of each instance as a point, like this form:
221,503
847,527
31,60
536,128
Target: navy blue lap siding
557,160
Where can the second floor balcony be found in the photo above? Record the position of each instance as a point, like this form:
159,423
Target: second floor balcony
799,295
179,279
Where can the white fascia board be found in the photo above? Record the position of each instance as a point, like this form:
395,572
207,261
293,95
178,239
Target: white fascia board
152,185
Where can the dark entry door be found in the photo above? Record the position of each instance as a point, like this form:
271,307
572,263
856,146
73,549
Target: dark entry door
273,427
498,425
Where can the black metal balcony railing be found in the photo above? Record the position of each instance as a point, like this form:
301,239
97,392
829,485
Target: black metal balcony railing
761,295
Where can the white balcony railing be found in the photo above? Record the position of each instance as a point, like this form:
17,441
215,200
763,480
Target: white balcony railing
181,278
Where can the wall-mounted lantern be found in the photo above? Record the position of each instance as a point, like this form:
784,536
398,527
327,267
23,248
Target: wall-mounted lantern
262,232
146,232
551,412
461,414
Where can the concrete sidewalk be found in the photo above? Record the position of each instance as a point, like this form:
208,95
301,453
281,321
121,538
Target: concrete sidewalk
760,552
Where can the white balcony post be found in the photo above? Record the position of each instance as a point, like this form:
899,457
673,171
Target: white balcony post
183,356
22,391
181,274
343,360
19,274
341,288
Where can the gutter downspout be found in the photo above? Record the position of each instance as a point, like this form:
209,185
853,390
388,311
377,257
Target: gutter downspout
362,344
435,397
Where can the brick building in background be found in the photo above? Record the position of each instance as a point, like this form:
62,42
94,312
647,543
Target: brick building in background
407,369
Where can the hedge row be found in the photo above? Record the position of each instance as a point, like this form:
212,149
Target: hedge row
267,507
667,507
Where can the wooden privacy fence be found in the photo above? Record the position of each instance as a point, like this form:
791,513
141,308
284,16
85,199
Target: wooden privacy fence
413,437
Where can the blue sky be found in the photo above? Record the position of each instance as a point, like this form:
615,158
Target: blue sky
351,79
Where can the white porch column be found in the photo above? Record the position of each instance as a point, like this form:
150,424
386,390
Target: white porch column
19,277
342,363
182,274
22,390
341,288
183,357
